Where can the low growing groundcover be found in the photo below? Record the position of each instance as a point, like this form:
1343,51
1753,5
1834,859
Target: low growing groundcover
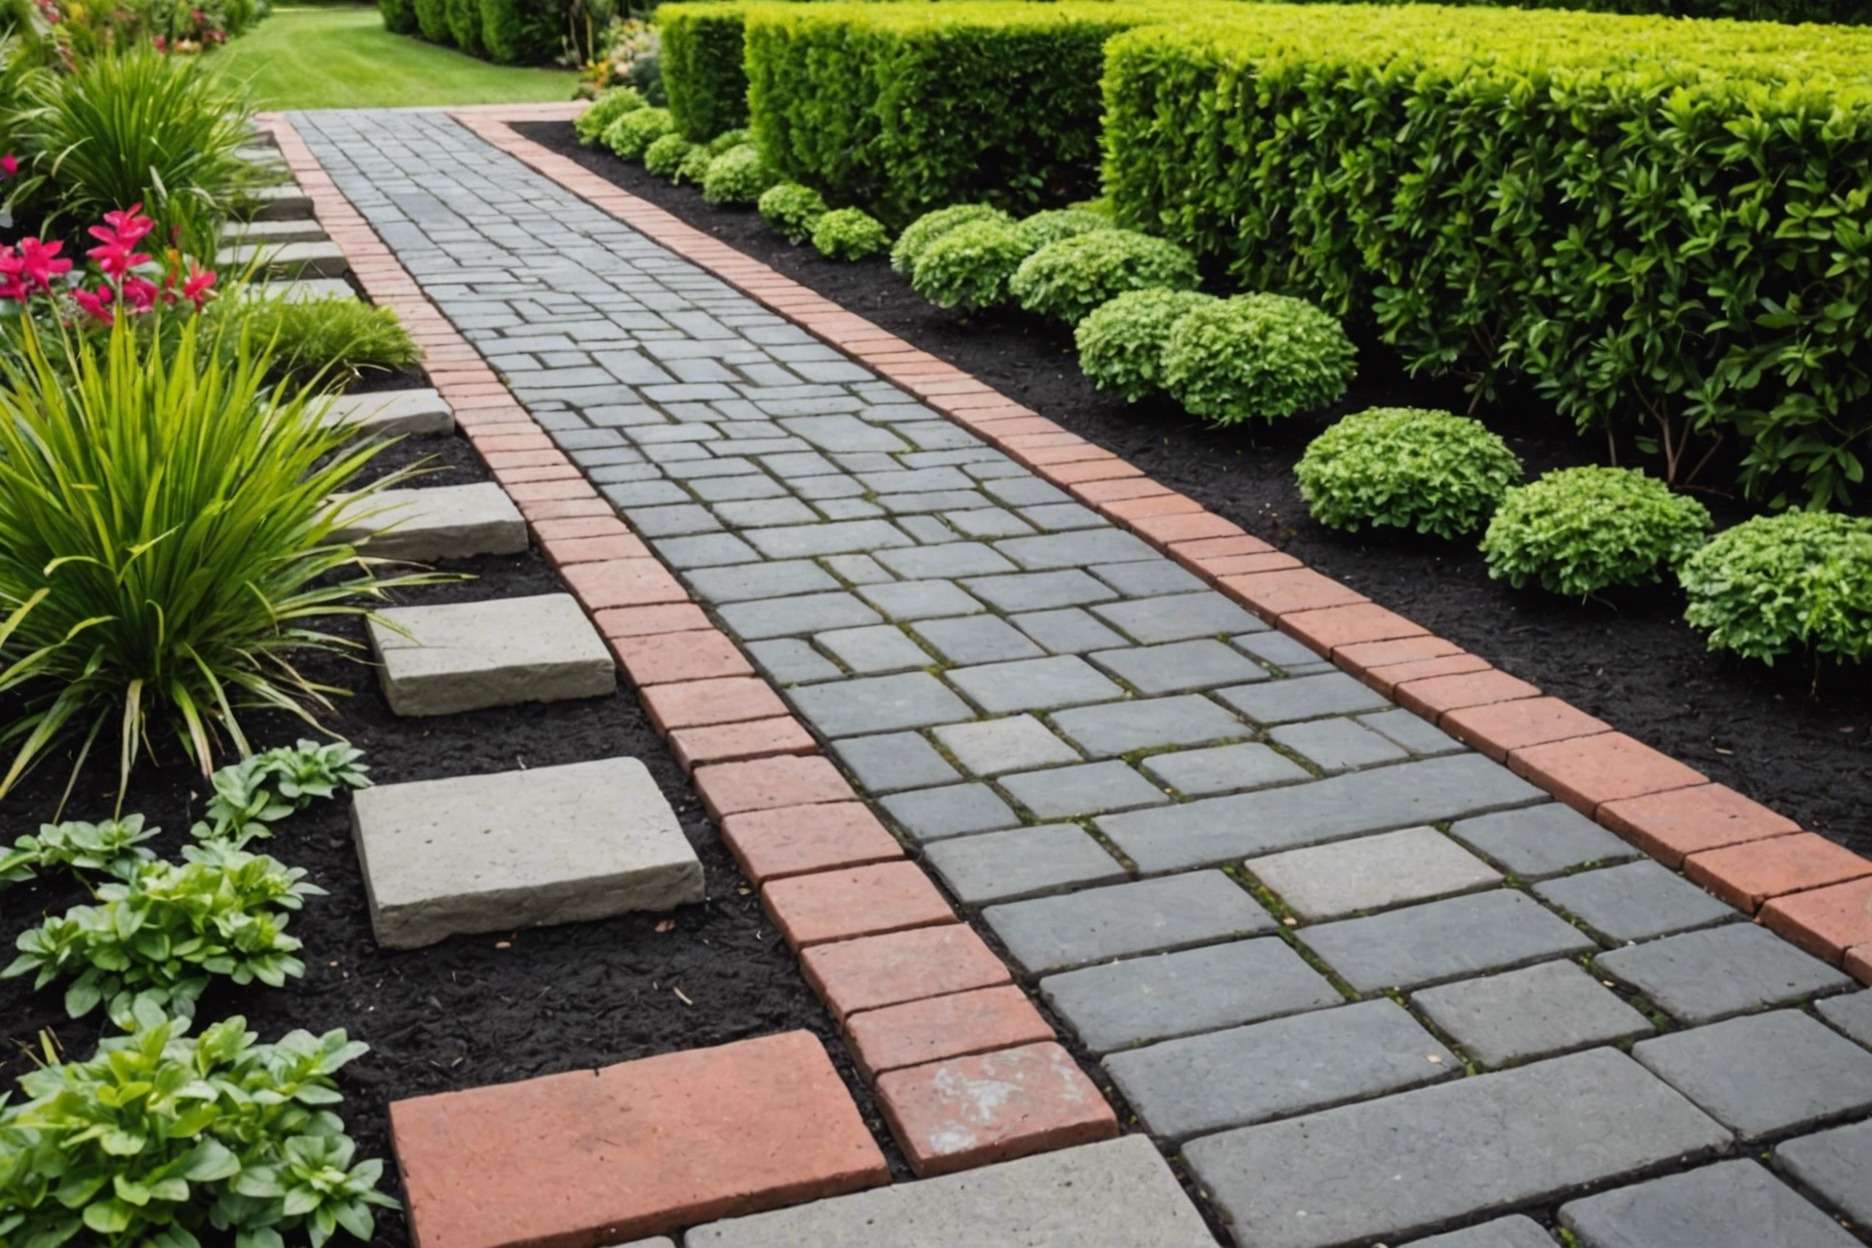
1800,742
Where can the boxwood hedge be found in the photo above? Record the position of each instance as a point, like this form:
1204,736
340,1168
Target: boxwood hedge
700,60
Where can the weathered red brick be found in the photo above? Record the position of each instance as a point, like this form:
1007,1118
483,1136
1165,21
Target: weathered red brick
1587,772
1387,678
1165,530
1749,874
1431,697
853,975
795,840
943,1027
662,658
1358,656
1672,825
1499,727
1826,922
1859,963
1330,628
770,783
564,551
623,583
1274,594
735,743
852,902
674,617
698,703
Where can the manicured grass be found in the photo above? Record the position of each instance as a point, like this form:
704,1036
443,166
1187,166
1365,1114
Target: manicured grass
340,56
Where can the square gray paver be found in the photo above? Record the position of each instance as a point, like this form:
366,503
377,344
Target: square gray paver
1280,650
789,660
1413,733
1515,1231
1699,977
952,559
1088,789
874,649
1040,591
1179,617
990,747
1303,697
1054,933
1851,1014
1021,862
1338,744
1033,684
836,538
436,522
1443,940
1224,769
1540,841
519,849
1192,1086
1066,631
1537,1012
1835,1164
465,656
919,600
1148,723
1733,1204
1635,901
893,761
1179,667
954,810
1149,578
1371,872
879,704
974,639
1164,995
1418,1160
782,578
1765,1073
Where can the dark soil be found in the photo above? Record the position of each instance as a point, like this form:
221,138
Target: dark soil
1798,740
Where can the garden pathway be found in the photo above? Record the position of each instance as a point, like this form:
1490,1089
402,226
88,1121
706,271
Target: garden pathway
1335,961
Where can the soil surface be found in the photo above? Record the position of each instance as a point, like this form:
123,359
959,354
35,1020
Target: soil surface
1793,738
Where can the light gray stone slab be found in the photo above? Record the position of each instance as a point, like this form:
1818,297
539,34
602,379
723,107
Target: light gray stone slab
1422,1159
435,522
1179,617
1075,550
789,660
1033,684
1443,940
1338,744
974,639
943,562
1539,1011
1179,667
953,810
1147,724
516,849
1733,1204
1852,1014
1699,977
1224,769
1510,1232
849,708
1146,579
1040,591
788,617
781,578
1635,901
1278,650
836,538
990,747
1303,697
1541,841
1055,933
919,600
1088,789
1799,1073
1066,631
1021,862
893,761
303,290
465,656
304,260
280,231
393,413
1413,733
1834,1164
1372,873
873,649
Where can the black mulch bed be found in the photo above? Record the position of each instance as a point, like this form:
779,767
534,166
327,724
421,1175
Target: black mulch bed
1799,742
474,1010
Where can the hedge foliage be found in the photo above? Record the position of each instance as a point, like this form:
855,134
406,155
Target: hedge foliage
737,176
1408,468
1068,279
700,60
849,234
1577,531
1799,582
1256,357
969,266
1121,344
521,32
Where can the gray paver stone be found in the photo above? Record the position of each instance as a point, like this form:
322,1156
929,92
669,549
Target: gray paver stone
1338,744
1033,684
676,520
976,639
806,613
1066,631
1834,1164
1039,591
1178,667
1075,550
1515,1231
788,661
1224,769
1540,841
707,550
1021,862
873,649
879,704
465,656
1145,916
1303,697
840,537
1278,649
919,600
436,522
1089,789
893,761
1413,733
1539,1011
990,747
1179,617
1852,1014
1148,578
1801,1074
1635,901
1150,723
954,810
1733,1204
1371,872
1699,977
1443,940
945,562
782,578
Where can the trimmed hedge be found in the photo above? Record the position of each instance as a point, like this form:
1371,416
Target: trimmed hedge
464,24
700,60
432,21
399,16
521,32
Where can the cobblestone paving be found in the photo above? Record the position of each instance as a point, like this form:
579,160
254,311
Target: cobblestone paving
1360,977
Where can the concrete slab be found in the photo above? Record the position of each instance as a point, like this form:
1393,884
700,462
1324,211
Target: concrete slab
465,656
437,522
393,413
302,260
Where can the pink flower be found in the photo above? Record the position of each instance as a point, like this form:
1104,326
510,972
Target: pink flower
9,164
97,303
199,283
126,227
140,293
116,260
36,264
159,43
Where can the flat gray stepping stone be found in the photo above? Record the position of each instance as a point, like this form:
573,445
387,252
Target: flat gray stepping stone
301,231
1303,697
1088,789
1444,940
304,290
931,814
466,656
837,538
1834,1164
436,522
1148,723
1181,1088
1021,862
302,260
990,747
393,412
1338,744
1066,631
1179,667
1179,617
1372,872
1145,916
1033,684
893,761
261,151
879,704
1541,840
1733,1204
976,639
1224,769
1165,995
1765,1073
1118,1192
1538,1012
1699,977
1635,901
528,848
791,617
874,649
1419,1160
279,203
1510,1232
1852,1015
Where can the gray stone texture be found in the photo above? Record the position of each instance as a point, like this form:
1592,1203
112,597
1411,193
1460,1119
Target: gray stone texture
1635,901
435,522
1371,873
1178,667
892,761
1835,1165
1223,769
990,747
879,704
1852,1014
1033,684
1303,697
1121,727
394,413
1702,976
1145,916
1514,1231
1443,940
1179,617
954,810
1338,744
1021,862
1733,1204
1540,841
1800,1073
1536,1012
1088,789
465,656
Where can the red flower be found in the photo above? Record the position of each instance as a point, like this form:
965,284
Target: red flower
97,303
9,164
115,260
126,227
36,264
199,283
159,43
140,293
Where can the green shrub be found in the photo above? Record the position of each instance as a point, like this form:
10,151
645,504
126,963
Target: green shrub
1577,531
728,140
1256,357
1059,223
695,165
1406,468
737,176
702,67
969,267
1068,279
432,21
636,130
399,16
1121,342
159,1136
850,234
521,32
666,155
607,108
792,209
931,226
1800,582
464,24
311,339
113,847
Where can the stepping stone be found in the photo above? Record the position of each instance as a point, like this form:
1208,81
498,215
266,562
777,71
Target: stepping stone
1180,667
1117,1192
1835,1164
261,153
529,848
1371,873
1541,840
1021,862
1418,1160
1699,977
866,705
279,203
1196,773
437,522
1145,916
300,260
634,1149
1511,1232
393,412
954,810
1338,744
466,656
1088,789
1636,901
1444,940
302,231
1733,1204
1178,617
304,290
1303,697
1182,1088
1765,1073
1033,684
1538,1012
893,761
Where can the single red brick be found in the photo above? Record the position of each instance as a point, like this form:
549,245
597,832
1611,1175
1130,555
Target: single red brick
580,526
1240,565
1499,727
1747,875
662,658
1826,922
1433,696
737,743
1100,492
1329,628
698,703
1859,963
675,617
1050,456
852,902
795,840
565,551
943,1027
623,583
1389,677
1215,547
1166,530
694,1135
770,783
968,1111
1357,656
1673,825
1153,505
559,508
1275,594
854,975
1587,772
1095,470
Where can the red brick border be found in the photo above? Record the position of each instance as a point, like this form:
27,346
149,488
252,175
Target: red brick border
1825,904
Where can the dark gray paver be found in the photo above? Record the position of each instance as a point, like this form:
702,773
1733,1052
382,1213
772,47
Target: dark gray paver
1635,901
1276,1069
1371,872
791,617
1699,977
1515,1231
1121,727
879,704
1066,631
945,561
1413,732
1039,591
1540,841
1033,684
1836,1165
976,639
781,578
1088,789
893,761
1148,578
1851,1014
1733,1204
1075,550
1539,1011
1053,933
836,538
1303,697
990,747
1280,650
1463,1149
1179,667
1021,862
1801,1074
788,660
954,810
1443,940
1224,768
1179,617
1338,744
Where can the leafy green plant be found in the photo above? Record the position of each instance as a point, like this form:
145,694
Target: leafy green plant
694,166
113,847
1060,223
399,16
969,267
521,32
728,140
850,234
314,339
1408,468
257,792
929,227
432,21
1121,342
160,1135
464,25
1800,582
1256,357
605,109
792,209
1067,279
737,176
636,130
702,70
666,155
1576,531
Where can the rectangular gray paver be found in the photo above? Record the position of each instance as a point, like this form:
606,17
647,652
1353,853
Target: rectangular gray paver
1818,1076
1067,630
1835,1165
1147,724
1075,550
1539,1011
1733,1204
1088,789
1699,977
780,578
879,704
976,639
954,810
1053,933
837,538
394,413
1179,617
1178,667
1338,744
788,617
1540,841
1021,862
1371,873
465,656
873,649
1224,769
1038,591
1443,940
436,522
1033,684
1635,901
1515,1231
1852,1014
1303,697
892,761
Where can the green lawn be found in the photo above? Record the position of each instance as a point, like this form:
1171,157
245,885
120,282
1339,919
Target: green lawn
342,57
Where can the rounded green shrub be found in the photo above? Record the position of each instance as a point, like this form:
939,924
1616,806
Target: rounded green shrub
849,234
1406,468
464,23
737,176
665,156
1068,279
1059,223
969,266
604,110
931,226
636,130
695,165
399,16
1801,581
728,140
521,32
1255,357
1121,342
792,209
1576,531
432,21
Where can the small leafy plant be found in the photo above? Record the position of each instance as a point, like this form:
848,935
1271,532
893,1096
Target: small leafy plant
255,793
113,847
1577,531
728,140
1121,343
792,209
1060,223
737,176
969,267
315,339
630,134
931,226
1066,280
1255,357
665,156
850,234
605,109
1407,468
694,166
1791,583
